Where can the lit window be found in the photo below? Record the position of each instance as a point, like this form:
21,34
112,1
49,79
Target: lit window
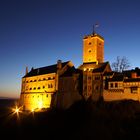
84,69
134,89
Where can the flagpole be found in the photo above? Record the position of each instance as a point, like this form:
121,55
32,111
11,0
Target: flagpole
95,26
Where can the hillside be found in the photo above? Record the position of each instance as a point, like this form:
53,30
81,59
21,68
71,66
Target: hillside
84,121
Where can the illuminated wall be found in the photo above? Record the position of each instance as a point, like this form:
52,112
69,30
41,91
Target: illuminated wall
122,91
93,49
36,91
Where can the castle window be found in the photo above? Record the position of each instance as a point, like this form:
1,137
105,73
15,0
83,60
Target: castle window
97,78
116,85
44,78
51,86
89,77
89,43
49,78
31,81
34,80
34,88
43,86
97,87
48,85
38,88
134,89
111,85
89,51
39,80
30,88
47,95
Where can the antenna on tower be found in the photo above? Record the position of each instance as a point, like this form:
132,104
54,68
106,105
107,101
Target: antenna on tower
94,27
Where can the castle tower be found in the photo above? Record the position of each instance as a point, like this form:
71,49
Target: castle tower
93,48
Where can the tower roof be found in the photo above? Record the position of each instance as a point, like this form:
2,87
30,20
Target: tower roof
93,35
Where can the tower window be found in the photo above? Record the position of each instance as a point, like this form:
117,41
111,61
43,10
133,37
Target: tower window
89,51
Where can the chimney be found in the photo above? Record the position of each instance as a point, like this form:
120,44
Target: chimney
26,70
133,74
59,64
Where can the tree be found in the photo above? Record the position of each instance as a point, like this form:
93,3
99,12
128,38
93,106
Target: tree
120,64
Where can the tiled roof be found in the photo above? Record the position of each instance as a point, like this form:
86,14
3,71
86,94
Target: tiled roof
116,78
44,70
132,80
108,73
100,67
69,72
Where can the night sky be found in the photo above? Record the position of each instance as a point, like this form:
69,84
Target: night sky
36,33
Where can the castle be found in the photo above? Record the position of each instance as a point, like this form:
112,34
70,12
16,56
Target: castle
60,85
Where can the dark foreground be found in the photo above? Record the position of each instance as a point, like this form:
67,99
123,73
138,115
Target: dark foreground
83,121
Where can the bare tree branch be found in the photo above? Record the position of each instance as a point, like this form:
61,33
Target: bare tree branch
120,64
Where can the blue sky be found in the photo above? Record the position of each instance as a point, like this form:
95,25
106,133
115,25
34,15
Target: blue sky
36,33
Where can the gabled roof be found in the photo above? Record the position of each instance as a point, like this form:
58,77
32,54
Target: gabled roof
108,73
44,70
116,78
100,67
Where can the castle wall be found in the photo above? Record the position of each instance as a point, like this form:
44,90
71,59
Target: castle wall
68,92
33,101
36,91
110,95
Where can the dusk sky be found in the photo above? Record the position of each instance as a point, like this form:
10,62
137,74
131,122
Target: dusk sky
36,33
